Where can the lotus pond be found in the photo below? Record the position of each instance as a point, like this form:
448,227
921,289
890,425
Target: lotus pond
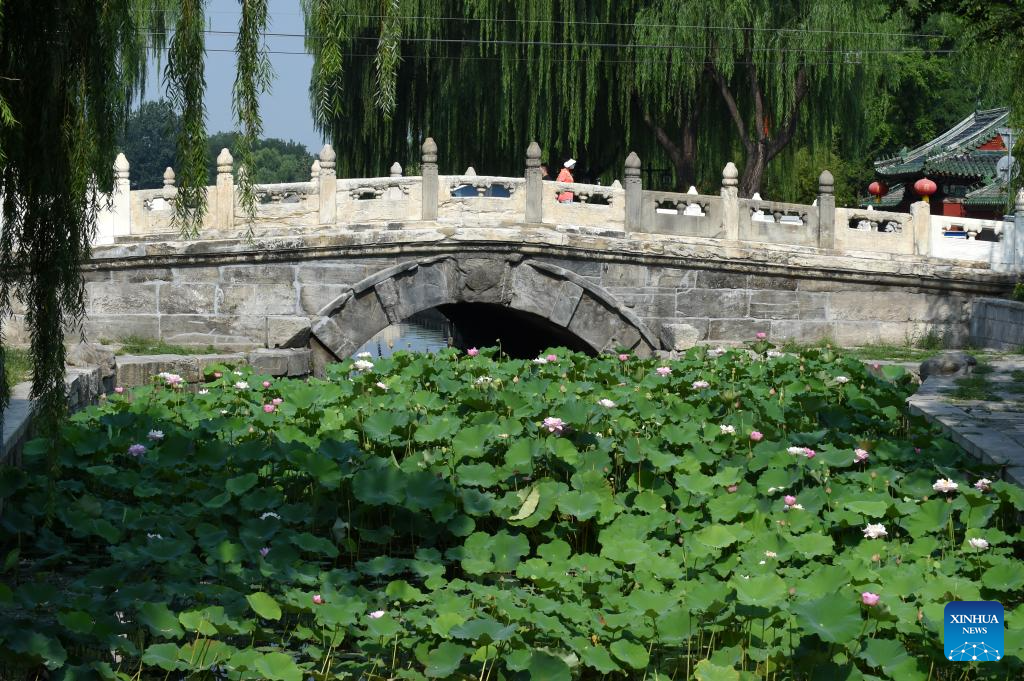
738,515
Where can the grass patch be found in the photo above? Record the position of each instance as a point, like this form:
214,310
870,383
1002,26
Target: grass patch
18,365
976,386
880,351
133,345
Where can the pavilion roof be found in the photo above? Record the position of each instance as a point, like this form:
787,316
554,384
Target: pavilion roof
992,195
955,152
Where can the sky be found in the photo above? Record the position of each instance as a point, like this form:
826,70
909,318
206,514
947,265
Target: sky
285,109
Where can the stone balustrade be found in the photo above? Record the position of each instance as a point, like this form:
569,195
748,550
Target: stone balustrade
401,201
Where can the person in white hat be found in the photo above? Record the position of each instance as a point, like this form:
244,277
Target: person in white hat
565,175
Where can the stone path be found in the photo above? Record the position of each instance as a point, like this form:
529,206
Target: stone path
993,431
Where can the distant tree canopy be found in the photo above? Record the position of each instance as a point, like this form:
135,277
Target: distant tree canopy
274,160
149,143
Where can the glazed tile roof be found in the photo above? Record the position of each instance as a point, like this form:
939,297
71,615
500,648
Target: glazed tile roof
993,195
954,153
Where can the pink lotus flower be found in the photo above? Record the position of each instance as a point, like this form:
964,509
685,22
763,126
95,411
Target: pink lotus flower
700,385
756,436
876,366
376,614
137,449
472,352
860,455
664,371
217,374
276,401
266,384
554,425
869,599
809,453
731,489
623,357
119,389
761,335
552,358
790,500
264,551
983,485
268,408
318,599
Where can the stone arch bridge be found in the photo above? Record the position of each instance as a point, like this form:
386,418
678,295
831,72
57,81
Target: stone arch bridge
330,262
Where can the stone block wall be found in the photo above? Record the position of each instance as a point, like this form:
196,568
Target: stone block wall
685,305
997,324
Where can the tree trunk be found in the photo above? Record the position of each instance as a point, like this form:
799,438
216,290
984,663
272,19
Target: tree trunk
684,154
753,170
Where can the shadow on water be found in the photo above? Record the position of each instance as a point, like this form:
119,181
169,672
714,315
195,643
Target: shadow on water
519,335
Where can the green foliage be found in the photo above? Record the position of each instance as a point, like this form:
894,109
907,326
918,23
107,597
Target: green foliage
17,365
273,160
439,529
1018,292
133,345
149,143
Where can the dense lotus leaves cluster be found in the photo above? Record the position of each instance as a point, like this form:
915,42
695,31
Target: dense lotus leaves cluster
737,515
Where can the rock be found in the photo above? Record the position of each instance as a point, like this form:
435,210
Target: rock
955,363
92,354
679,336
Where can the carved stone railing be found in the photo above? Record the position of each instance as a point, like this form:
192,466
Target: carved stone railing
777,222
877,231
682,214
468,199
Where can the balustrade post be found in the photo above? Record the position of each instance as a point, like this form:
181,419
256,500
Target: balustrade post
1016,233
921,217
121,204
328,183
634,193
534,185
730,201
314,174
428,202
170,192
224,218
826,211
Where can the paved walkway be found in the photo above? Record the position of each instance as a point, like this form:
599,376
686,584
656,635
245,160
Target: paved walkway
993,431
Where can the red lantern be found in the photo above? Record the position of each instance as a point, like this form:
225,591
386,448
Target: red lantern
878,190
925,188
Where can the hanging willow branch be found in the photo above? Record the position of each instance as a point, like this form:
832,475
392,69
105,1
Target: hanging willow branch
251,80
388,53
186,88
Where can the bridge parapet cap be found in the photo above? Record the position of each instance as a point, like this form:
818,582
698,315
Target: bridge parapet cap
1020,201
327,157
730,176
826,183
224,161
314,171
121,167
429,151
396,169
533,155
632,165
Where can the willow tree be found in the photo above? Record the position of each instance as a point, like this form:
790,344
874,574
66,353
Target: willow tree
681,78
69,70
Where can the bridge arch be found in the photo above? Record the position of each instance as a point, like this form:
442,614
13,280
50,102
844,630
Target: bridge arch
554,294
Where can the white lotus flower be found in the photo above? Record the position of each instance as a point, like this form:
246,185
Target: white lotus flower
483,380
983,485
606,403
978,543
727,430
156,435
770,554
875,531
242,385
540,360
700,385
204,391
381,385
774,353
945,485
842,379
362,365
364,355
795,450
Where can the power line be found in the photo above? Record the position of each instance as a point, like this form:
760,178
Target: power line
350,15
538,43
449,57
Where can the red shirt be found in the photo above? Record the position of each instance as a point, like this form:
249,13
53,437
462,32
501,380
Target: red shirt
565,176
